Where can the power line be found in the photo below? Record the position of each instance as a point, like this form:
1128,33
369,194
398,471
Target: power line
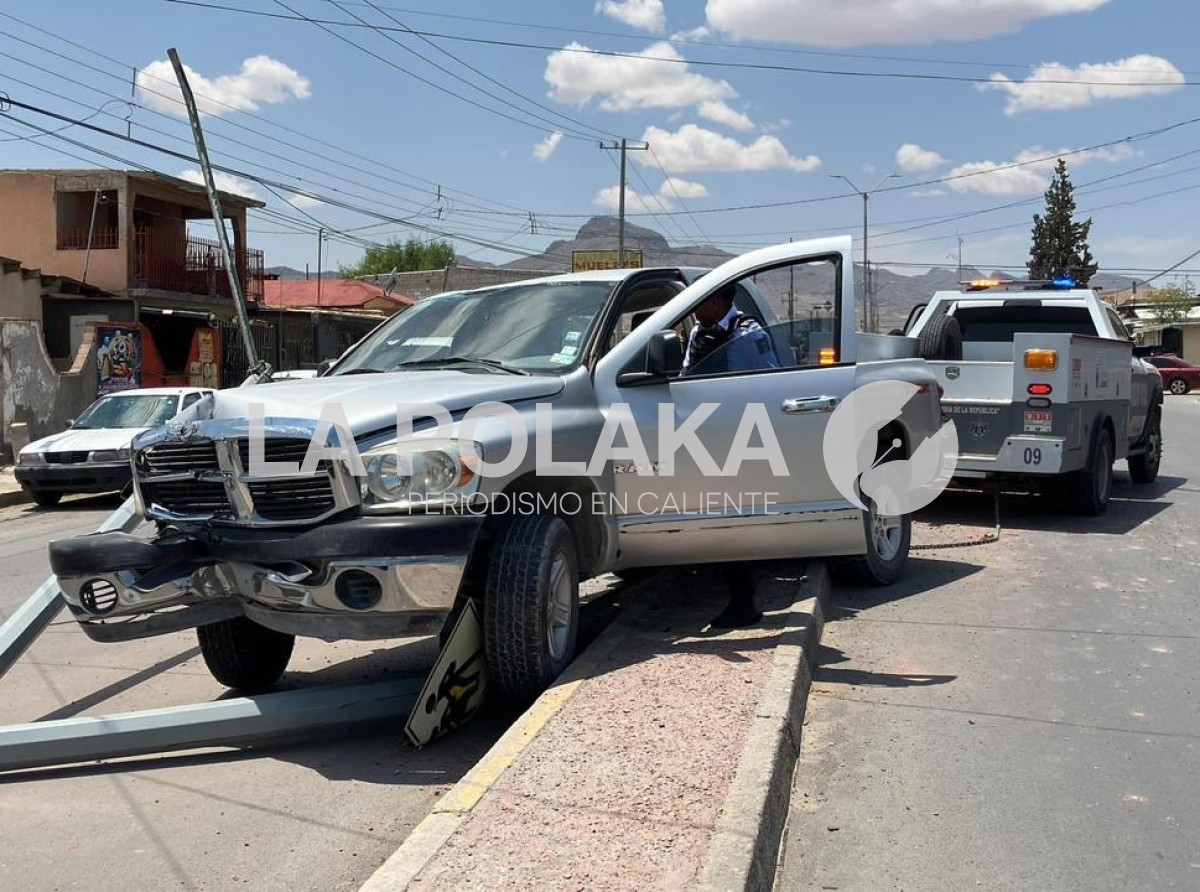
708,63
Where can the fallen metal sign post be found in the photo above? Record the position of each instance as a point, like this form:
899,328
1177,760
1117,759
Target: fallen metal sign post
23,627
290,715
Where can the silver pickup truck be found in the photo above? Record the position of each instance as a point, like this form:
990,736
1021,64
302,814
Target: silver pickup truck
394,528
1044,388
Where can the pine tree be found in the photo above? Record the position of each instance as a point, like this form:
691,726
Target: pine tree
1060,245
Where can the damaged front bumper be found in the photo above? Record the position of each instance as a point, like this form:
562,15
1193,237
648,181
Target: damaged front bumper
363,578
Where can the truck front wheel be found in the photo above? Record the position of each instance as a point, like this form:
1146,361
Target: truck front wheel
531,606
243,655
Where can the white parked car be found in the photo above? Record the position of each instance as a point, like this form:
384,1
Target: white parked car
92,456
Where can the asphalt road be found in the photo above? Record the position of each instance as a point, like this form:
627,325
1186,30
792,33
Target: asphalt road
1019,715
319,816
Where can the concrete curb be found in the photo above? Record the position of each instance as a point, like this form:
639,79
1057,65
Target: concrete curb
745,849
17,497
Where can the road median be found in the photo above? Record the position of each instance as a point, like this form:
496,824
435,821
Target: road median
662,759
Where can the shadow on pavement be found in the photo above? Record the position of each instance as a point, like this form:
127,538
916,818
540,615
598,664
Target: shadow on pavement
921,575
1130,507
862,678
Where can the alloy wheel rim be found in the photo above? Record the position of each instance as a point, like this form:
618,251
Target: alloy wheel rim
886,533
558,607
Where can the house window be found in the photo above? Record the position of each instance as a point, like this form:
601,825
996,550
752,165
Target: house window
90,218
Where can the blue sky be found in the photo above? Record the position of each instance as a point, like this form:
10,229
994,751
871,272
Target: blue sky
452,128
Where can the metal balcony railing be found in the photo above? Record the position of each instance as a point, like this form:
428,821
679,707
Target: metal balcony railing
191,265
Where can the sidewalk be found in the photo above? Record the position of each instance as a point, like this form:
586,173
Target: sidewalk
661,760
10,491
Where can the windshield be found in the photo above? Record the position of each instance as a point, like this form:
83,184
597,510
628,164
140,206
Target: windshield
129,411
540,327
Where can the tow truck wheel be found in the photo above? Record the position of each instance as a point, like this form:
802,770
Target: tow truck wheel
888,539
1144,468
531,607
1088,491
243,655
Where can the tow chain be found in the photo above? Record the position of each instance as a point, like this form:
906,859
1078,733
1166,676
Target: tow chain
988,539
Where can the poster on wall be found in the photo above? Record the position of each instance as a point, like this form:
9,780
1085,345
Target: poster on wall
118,358
202,362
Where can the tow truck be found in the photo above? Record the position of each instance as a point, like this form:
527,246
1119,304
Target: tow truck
1041,381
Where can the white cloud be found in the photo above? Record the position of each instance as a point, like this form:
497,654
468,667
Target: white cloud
721,113
544,149
224,182
1045,90
627,83
262,81
664,200
1032,177
927,193
305,201
914,159
648,15
683,188
822,23
691,148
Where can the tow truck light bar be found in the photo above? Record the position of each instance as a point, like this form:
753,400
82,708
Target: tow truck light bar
1061,282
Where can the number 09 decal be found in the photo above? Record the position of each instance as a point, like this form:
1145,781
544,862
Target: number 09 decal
1032,455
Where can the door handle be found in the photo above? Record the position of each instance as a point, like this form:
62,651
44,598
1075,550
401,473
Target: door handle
810,405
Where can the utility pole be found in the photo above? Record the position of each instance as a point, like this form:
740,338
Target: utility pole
623,146
320,240
261,371
960,244
870,317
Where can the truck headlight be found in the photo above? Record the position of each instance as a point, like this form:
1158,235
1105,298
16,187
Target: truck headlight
26,457
418,474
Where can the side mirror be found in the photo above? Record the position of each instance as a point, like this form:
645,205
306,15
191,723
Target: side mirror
70,422
662,359
323,366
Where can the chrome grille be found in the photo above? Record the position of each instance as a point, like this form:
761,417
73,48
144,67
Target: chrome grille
296,499
285,500
179,458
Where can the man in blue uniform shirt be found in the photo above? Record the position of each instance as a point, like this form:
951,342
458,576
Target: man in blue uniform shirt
725,339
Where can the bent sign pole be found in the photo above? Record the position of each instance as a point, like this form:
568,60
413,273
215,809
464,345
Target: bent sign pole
28,621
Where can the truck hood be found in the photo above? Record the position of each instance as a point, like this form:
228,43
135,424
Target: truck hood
369,401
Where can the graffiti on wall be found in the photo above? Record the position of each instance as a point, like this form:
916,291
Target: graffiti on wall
118,358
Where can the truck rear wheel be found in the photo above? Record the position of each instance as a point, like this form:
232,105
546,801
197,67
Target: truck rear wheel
531,607
888,540
243,655
941,339
1143,468
1088,491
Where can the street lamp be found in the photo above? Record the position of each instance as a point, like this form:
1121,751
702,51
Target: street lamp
869,320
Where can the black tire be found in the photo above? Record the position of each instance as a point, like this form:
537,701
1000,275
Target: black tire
941,339
46,499
243,655
1143,468
1178,386
876,567
1088,491
528,642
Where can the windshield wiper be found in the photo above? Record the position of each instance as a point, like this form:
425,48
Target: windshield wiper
463,360
362,371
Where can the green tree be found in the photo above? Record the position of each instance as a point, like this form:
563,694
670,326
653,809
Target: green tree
413,254
1060,245
1171,304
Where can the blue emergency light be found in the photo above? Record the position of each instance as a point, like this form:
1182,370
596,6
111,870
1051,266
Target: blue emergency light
1063,282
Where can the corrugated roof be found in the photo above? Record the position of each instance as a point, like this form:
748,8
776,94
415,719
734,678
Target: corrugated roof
339,293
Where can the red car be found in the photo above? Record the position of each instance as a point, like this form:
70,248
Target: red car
1178,376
